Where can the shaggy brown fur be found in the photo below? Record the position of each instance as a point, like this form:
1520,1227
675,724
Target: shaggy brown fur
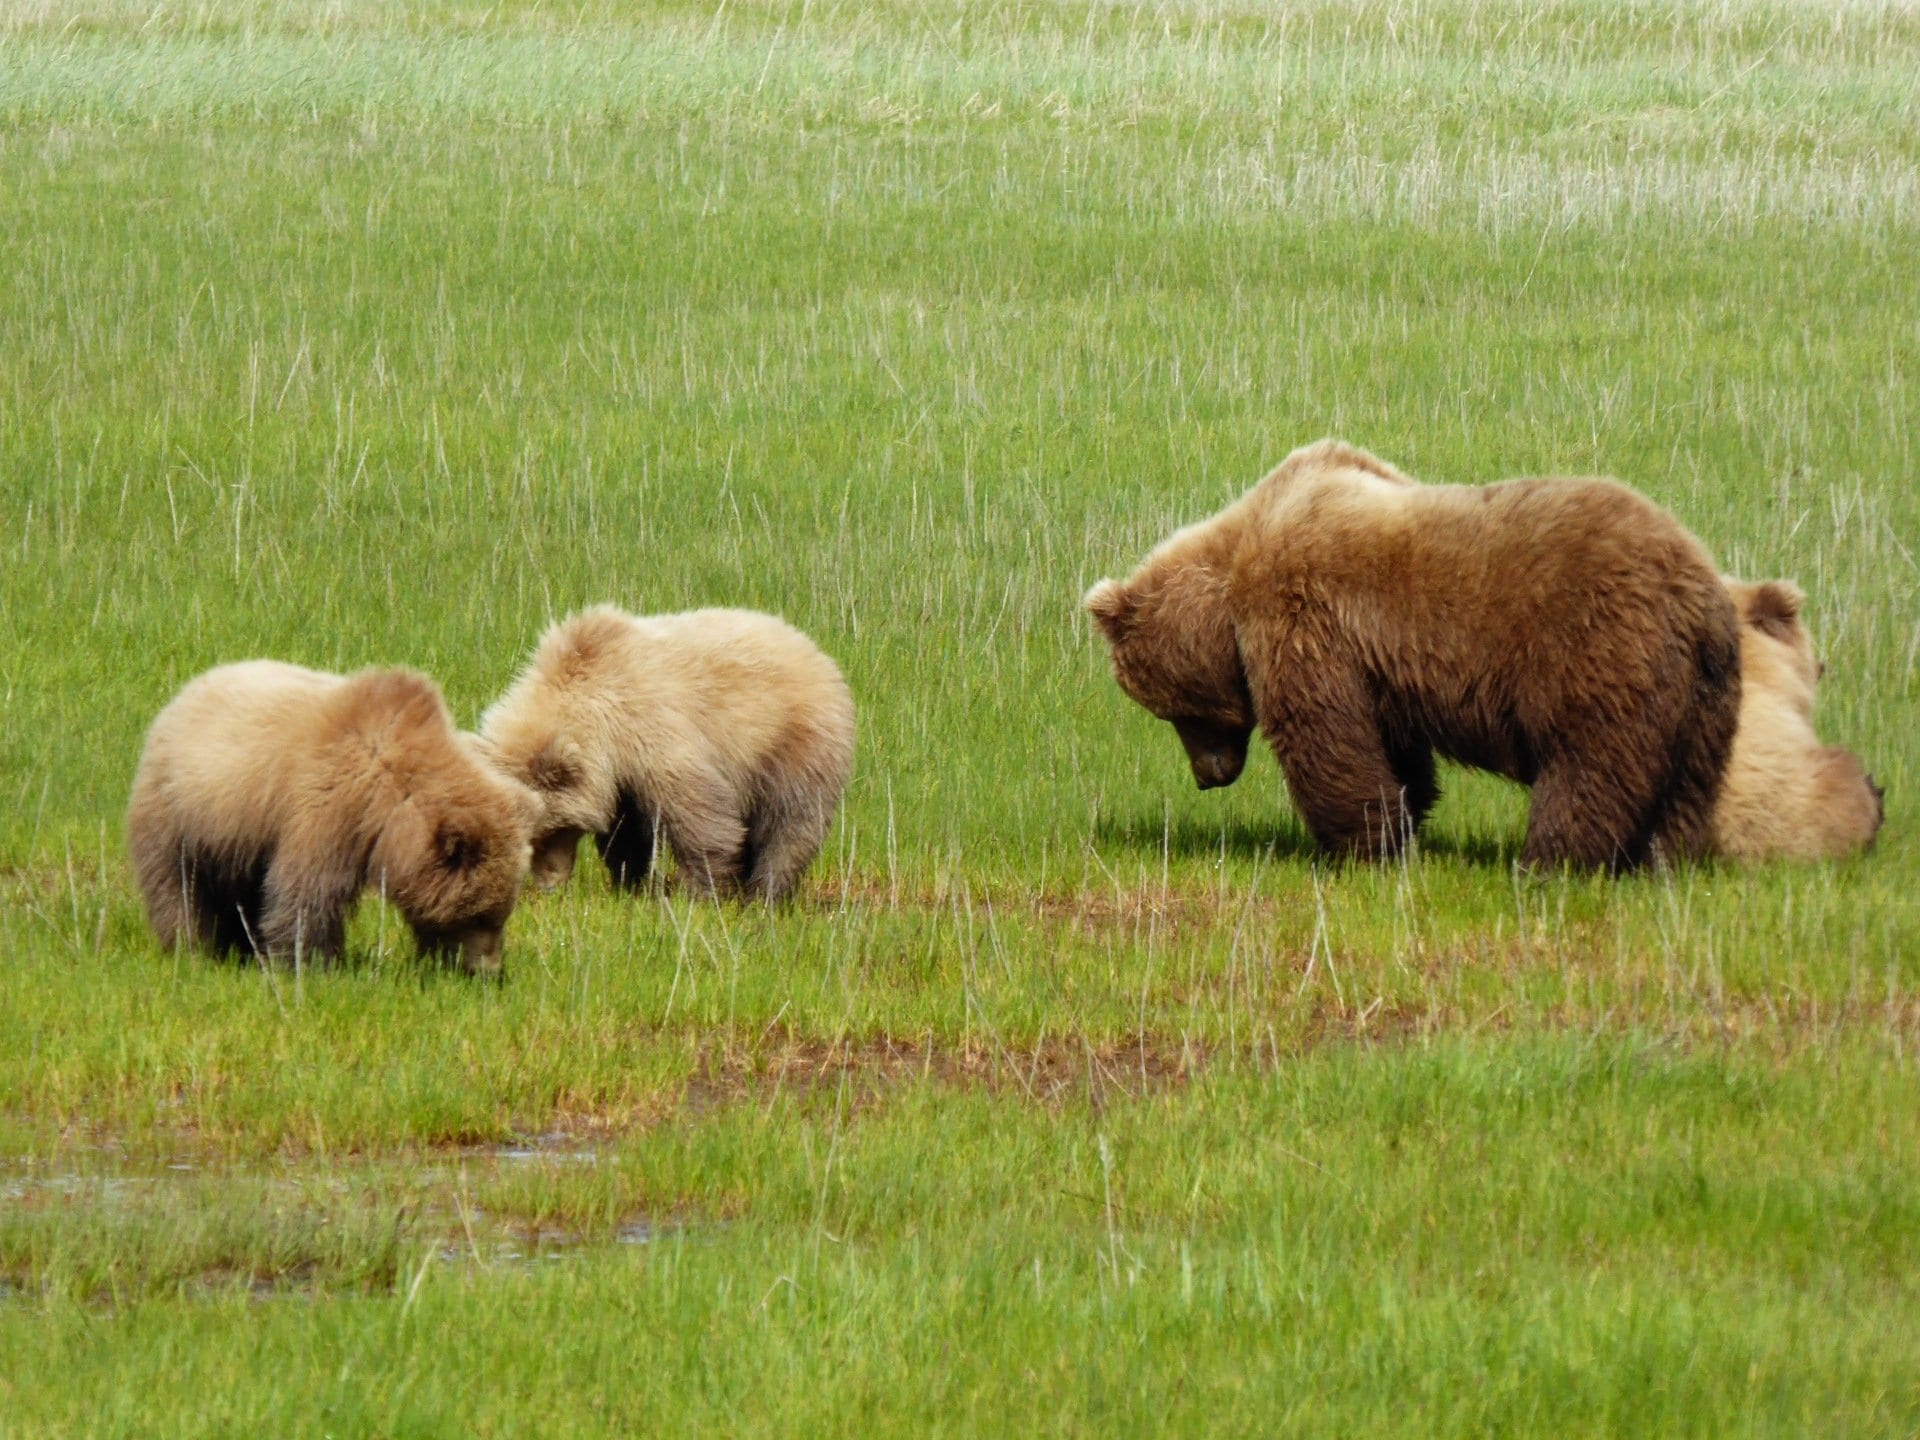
1786,795
727,732
268,797
1566,633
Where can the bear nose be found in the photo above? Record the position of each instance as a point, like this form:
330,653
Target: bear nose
480,951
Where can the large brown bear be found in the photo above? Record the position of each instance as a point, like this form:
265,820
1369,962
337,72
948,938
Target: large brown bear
269,796
1566,633
1787,796
728,731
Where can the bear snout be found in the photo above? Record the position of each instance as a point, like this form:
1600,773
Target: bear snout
1216,752
477,949
553,856
1215,770
483,951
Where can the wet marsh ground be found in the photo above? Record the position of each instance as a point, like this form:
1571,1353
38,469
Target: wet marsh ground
1066,1099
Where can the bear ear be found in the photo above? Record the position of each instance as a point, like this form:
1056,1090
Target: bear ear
459,847
1773,608
1110,605
553,767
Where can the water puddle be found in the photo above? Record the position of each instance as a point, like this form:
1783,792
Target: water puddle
288,1229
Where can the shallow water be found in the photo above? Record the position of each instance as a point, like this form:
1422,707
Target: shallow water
426,1195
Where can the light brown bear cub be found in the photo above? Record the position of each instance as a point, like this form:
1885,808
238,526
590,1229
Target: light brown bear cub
1568,634
1786,795
727,731
269,796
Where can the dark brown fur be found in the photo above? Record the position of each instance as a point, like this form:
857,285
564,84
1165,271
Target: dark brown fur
1568,634
268,797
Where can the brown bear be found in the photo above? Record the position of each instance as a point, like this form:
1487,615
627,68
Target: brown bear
726,731
1787,796
1567,633
269,796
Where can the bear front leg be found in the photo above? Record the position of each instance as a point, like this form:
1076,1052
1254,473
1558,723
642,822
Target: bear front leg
1320,721
1346,790
1595,804
304,912
627,845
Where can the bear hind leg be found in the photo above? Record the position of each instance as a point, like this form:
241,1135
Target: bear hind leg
703,824
1592,810
166,880
627,846
198,902
782,842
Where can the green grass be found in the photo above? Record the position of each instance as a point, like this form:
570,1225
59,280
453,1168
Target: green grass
1068,1099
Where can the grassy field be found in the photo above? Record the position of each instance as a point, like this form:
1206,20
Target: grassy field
1068,1100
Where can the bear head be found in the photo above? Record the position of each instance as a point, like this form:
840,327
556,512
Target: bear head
1776,653
572,796
1171,640
453,856
549,732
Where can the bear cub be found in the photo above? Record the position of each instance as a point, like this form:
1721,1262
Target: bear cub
726,732
269,796
1786,795
1566,633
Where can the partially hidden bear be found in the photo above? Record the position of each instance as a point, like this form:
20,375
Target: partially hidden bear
269,796
725,732
1566,633
1786,795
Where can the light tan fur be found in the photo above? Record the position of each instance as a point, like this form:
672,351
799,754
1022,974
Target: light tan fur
727,732
268,797
1787,796
1567,633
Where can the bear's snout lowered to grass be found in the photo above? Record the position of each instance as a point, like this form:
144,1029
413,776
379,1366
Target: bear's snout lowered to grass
1216,752
1567,633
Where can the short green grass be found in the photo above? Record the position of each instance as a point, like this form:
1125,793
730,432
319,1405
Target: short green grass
1068,1099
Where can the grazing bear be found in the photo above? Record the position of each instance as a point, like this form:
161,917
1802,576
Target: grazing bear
1567,633
269,796
727,731
1787,796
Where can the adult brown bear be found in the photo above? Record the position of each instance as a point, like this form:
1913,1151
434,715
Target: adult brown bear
1567,633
